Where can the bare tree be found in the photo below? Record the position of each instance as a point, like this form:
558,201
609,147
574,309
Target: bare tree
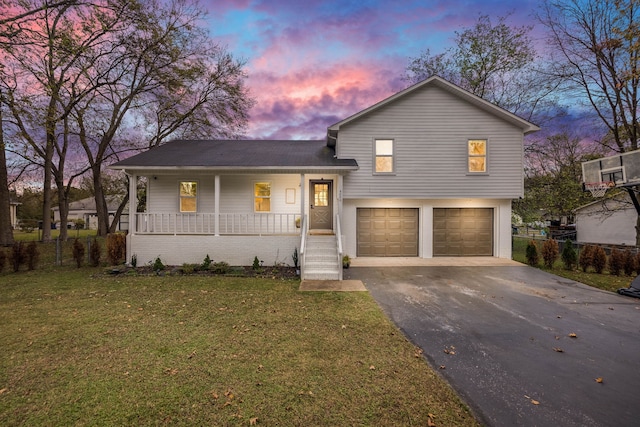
596,54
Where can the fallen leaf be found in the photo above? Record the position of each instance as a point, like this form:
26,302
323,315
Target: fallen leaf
214,395
3,390
430,423
373,368
443,367
253,421
558,349
344,326
193,353
599,380
535,402
573,335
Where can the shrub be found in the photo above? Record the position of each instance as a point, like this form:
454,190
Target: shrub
220,267
569,256
32,254
532,253
134,260
116,248
188,268
18,256
629,265
78,252
95,253
256,264
206,263
158,265
616,262
598,259
550,252
585,260
3,260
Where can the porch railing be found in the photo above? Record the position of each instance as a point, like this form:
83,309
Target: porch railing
229,223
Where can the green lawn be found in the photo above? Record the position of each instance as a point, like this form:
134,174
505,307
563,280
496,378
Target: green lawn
603,281
78,347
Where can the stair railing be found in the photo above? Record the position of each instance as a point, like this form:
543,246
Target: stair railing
339,244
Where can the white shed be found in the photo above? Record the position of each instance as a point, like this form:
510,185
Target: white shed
608,221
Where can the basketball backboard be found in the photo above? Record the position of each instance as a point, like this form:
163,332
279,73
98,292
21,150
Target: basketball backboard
621,170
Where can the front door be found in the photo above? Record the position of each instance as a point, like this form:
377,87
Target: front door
320,207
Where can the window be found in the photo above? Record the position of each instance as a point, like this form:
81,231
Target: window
477,155
188,193
383,156
262,196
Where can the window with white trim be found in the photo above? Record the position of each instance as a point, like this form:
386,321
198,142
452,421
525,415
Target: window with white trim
477,154
383,149
262,197
188,196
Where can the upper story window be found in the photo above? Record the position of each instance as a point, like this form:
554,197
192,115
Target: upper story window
188,196
383,156
477,153
262,196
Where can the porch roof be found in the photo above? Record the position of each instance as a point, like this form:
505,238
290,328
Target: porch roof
239,154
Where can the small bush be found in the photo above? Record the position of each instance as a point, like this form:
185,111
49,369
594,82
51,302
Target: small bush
134,260
95,253
78,252
629,263
598,259
206,263
569,256
158,265
586,258
532,253
550,252
3,260
616,262
18,256
116,248
256,264
33,255
189,268
220,267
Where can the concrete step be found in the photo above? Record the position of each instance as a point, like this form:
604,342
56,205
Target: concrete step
321,274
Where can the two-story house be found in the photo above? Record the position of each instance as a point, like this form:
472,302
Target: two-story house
430,171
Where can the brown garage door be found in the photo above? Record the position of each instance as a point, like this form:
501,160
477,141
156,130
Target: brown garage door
387,232
463,232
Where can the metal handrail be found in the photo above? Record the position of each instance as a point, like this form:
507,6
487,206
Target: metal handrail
303,243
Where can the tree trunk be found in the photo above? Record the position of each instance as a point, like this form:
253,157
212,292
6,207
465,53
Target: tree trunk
101,203
63,206
638,231
116,218
6,232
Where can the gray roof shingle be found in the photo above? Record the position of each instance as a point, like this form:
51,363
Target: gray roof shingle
240,154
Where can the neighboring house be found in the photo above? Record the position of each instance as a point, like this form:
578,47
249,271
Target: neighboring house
85,210
13,213
607,222
430,171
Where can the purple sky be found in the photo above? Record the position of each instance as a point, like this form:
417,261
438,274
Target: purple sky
312,63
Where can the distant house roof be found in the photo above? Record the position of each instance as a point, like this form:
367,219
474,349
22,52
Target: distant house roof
89,204
238,154
526,126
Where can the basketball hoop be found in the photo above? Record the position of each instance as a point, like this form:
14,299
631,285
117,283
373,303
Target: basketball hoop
598,189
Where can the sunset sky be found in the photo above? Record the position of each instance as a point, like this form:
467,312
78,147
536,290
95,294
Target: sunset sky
313,63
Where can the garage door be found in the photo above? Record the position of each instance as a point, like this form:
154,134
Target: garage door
387,232
463,232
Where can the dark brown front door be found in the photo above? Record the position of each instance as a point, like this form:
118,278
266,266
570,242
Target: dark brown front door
320,206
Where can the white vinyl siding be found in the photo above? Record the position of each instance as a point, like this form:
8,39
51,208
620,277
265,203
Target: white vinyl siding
431,129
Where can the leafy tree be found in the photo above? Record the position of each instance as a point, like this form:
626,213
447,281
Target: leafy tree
493,61
569,255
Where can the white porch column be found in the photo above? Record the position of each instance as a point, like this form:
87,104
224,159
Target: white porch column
339,197
133,203
302,202
216,207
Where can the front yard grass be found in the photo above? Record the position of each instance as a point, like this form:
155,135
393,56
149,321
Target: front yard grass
81,348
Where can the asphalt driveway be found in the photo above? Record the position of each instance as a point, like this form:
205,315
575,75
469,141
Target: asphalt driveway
521,346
